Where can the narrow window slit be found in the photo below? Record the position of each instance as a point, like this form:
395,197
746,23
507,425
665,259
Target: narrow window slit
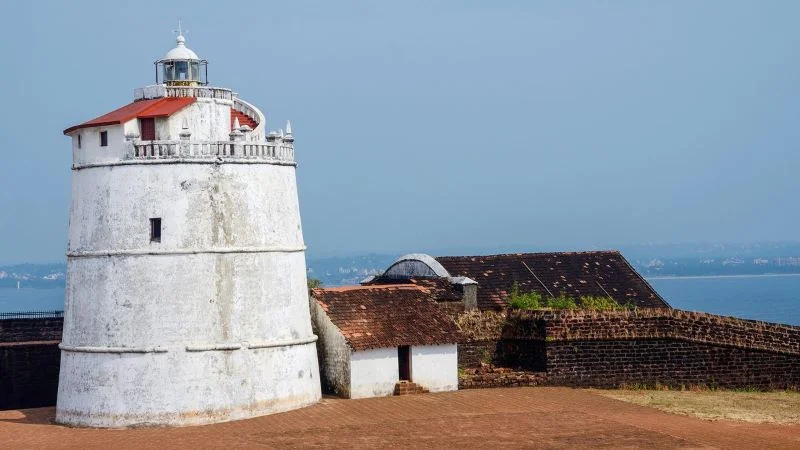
155,229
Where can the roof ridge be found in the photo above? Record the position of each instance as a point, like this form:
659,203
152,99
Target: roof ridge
580,252
401,286
142,108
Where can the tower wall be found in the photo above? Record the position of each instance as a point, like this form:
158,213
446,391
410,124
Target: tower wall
208,119
207,325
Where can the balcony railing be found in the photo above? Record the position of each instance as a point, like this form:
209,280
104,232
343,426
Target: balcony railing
277,151
160,90
245,108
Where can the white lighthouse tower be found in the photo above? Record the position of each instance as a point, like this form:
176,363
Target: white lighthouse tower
186,298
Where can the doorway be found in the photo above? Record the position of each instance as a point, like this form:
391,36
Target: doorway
404,362
147,127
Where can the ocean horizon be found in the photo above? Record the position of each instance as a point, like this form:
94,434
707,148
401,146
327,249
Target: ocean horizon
767,297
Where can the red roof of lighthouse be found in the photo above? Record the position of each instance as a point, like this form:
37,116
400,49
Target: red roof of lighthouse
143,109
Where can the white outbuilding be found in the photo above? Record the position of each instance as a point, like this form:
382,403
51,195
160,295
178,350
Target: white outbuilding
383,340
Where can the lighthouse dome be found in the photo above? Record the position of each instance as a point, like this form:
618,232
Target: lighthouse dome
181,51
181,66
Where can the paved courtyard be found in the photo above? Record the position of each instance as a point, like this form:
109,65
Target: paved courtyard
515,417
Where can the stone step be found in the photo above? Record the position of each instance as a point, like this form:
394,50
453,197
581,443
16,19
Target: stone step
408,388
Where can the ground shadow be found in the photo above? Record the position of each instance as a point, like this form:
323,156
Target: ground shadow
33,416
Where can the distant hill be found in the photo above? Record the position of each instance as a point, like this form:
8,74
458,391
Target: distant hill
649,260
33,275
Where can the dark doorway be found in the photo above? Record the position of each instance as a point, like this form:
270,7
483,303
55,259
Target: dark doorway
404,361
148,129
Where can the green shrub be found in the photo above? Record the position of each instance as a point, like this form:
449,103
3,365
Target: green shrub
599,303
535,300
561,302
530,300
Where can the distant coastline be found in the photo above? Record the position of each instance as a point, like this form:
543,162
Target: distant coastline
697,277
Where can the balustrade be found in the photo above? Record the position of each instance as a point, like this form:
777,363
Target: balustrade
159,91
211,149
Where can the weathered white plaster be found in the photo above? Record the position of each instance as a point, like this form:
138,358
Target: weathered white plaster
373,373
435,367
333,352
200,205
209,324
208,119
90,149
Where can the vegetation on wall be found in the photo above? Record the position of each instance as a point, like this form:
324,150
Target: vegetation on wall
313,283
535,300
479,325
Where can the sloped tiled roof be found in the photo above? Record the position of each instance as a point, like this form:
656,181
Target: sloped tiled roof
159,107
439,289
598,273
386,316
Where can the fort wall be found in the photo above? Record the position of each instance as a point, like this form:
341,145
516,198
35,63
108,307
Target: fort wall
640,347
29,362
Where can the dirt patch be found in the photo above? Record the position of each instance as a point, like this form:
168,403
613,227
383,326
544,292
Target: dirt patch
753,407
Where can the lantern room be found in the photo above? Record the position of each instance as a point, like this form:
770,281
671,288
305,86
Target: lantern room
181,67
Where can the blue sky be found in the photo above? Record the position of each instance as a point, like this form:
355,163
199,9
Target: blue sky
440,125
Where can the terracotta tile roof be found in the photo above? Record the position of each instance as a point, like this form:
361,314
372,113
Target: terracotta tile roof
600,273
159,107
439,289
386,316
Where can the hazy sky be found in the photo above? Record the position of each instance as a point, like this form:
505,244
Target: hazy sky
430,125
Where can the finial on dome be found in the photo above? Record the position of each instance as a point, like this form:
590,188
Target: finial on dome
288,127
180,39
236,125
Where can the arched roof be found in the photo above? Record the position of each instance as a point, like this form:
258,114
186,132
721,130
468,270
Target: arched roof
415,265
181,52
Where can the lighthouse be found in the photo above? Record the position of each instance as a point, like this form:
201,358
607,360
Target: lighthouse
186,299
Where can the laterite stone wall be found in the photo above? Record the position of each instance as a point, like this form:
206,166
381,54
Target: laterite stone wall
29,362
645,346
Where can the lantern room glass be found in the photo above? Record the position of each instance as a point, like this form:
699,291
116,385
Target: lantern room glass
183,71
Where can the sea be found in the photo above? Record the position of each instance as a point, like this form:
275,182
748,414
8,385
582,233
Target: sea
771,298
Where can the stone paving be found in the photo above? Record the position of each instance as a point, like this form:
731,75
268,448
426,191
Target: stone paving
505,418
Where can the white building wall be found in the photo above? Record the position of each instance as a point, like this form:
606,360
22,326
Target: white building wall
90,150
435,367
208,119
373,373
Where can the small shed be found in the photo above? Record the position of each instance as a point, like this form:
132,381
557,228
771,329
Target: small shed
379,340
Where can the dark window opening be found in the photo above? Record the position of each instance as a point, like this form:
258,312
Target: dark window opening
404,362
104,139
155,229
79,141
